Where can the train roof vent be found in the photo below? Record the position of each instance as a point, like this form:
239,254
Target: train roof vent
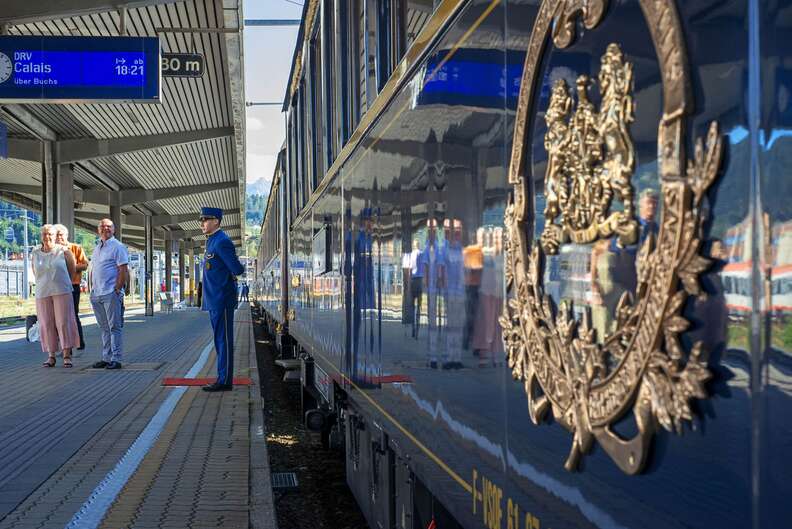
284,481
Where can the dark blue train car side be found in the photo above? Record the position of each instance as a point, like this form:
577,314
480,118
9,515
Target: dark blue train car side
533,256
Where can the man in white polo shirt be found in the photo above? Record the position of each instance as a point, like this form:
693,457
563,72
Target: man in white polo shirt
108,277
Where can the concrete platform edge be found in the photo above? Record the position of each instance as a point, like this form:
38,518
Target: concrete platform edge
262,505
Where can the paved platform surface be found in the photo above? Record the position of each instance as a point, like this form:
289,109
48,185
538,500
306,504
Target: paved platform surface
95,448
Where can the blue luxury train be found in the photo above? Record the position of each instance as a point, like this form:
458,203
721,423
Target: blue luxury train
531,257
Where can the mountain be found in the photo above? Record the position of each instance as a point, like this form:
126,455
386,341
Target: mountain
258,187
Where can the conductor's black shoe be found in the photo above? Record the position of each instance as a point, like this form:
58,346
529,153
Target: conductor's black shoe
100,364
217,387
113,365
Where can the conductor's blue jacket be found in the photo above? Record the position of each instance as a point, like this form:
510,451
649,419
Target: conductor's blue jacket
220,266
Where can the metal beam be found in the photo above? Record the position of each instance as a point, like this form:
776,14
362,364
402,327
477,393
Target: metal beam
25,11
269,22
23,149
125,197
141,237
92,215
163,220
128,197
27,120
89,148
176,235
20,200
92,196
21,188
137,219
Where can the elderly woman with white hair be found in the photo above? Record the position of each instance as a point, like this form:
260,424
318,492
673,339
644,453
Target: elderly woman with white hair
53,265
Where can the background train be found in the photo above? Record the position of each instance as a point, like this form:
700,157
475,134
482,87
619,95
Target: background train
381,264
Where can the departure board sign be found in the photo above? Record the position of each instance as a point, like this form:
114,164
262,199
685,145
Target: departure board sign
79,69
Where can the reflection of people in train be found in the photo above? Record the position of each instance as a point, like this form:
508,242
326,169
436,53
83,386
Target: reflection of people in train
431,261
613,267
455,294
416,286
647,209
486,333
407,310
363,295
473,259
603,295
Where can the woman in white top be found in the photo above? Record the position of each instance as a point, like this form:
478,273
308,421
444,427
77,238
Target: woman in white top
53,266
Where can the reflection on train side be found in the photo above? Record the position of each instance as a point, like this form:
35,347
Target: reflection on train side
447,295
735,251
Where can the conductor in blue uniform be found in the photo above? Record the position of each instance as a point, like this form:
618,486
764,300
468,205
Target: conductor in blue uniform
220,268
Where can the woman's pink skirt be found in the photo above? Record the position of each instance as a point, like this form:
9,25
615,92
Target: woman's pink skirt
57,324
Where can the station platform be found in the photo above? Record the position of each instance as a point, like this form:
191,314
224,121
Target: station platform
92,448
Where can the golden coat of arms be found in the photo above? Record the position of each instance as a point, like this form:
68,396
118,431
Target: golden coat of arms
590,382
590,159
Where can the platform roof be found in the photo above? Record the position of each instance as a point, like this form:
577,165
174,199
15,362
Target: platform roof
166,159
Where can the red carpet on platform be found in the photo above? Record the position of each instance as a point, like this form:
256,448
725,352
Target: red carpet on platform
172,381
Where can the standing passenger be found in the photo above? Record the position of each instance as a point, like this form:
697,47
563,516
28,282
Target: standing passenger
52,265
62,238
416,286
108,277
220,268
455,296
431,260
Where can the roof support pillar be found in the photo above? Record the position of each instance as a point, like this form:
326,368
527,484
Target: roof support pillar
198,279
191,273
168,266
115,216
65,196
49,170
181,272
57,189
149,258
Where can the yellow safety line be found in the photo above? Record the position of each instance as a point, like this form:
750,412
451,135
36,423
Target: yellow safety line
465,485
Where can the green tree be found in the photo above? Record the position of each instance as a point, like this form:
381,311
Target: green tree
12,223
254,209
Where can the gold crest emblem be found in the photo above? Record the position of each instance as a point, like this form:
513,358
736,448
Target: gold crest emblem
590,159
590,382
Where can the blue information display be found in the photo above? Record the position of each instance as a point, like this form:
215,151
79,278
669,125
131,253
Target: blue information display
473,77
79,69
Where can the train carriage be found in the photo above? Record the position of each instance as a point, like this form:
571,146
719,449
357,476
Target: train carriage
532,257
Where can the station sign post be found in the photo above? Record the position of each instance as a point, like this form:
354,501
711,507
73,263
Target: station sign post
38,69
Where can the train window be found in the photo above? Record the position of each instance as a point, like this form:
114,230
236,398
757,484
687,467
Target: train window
317,115
391,16
305,151
329,84
384,41
369,58
292,152
350,13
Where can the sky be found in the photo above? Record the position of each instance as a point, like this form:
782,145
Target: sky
268,55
